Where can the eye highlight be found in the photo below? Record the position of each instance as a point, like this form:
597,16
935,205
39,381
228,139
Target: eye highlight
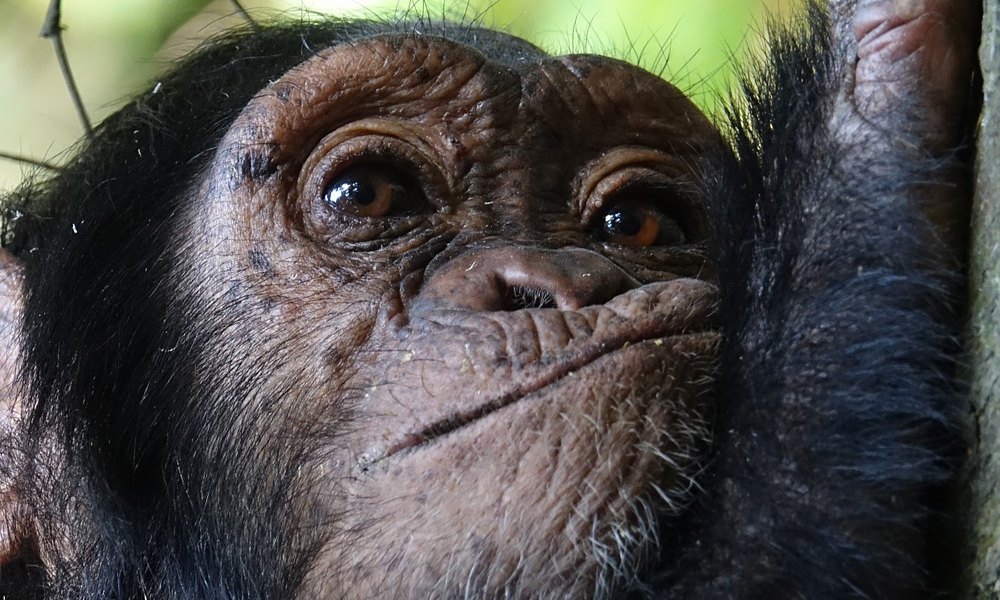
638,222
373,190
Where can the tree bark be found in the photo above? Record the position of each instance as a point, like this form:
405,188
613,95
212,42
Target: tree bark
984,326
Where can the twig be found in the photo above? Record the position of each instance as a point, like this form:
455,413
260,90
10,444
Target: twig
29,161
52,29
243,13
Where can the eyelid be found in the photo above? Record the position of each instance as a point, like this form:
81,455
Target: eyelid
619,167
381,140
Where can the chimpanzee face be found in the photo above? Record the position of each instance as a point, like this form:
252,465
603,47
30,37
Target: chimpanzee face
492,279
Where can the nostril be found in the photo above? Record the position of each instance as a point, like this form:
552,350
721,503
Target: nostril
512,278
517,297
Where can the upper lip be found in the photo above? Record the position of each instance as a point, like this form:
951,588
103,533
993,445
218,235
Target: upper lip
649,325
462,419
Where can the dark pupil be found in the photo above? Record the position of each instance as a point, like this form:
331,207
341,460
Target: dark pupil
623,223
355,191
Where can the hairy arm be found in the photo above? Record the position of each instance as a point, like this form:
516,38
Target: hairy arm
838,420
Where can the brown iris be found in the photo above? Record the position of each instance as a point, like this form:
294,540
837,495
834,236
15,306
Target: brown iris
376,190
639,222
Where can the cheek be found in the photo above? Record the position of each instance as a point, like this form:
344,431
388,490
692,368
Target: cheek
282,349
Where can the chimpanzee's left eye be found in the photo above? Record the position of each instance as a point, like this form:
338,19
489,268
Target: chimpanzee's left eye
638,222
373,190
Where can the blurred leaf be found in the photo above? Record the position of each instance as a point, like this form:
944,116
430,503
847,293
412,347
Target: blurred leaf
113,46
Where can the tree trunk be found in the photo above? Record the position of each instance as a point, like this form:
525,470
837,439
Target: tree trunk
984,326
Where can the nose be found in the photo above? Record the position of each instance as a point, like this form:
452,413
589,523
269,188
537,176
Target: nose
511,278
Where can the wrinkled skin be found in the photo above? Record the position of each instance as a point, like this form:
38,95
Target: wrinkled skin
473,418
448,328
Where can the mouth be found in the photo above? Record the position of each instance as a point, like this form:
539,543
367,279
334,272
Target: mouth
442,428
656,318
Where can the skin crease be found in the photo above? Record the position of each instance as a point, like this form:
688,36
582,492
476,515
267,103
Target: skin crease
474,389
549,433
916,49
914,53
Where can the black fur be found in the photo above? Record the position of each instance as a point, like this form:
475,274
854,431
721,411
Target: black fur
837,417
839,414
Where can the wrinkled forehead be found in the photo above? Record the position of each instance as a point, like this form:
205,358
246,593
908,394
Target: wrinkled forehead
428,79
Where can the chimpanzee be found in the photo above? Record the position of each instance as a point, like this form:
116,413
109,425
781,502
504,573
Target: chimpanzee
411,309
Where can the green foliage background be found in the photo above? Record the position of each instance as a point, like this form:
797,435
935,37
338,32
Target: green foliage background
117,46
